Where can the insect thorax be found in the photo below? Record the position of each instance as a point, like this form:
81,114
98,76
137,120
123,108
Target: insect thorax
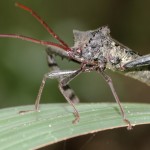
98,46
91,45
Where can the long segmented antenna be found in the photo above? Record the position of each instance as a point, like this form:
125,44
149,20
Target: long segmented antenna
25,38
63,45
44,24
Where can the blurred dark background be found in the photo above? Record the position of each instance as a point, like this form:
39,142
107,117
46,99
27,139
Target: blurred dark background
23,64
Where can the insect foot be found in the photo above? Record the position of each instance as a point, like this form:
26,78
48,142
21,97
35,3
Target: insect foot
129,127
77,118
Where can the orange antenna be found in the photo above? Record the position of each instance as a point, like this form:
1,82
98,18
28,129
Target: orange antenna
25,38
44,24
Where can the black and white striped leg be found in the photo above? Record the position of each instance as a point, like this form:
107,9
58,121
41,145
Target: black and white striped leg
68,94
64,77
65,89
52,64
51,61
56,74
53,75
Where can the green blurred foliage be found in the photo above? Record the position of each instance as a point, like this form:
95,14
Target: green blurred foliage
23,64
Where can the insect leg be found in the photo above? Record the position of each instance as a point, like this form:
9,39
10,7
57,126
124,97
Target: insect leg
51,75
64,77
69,96
110,83
52,64
59,75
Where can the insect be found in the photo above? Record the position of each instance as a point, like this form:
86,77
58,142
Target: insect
94,50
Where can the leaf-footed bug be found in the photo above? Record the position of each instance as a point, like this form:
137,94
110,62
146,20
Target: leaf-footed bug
95,50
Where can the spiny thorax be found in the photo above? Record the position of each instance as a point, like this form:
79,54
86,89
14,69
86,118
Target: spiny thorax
98,46
90,45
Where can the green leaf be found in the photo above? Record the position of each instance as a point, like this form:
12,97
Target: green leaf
54,122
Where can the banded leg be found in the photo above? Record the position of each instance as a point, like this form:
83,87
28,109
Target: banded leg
64,77
110,83
52,64
69,96
66,91
52,75
60,76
